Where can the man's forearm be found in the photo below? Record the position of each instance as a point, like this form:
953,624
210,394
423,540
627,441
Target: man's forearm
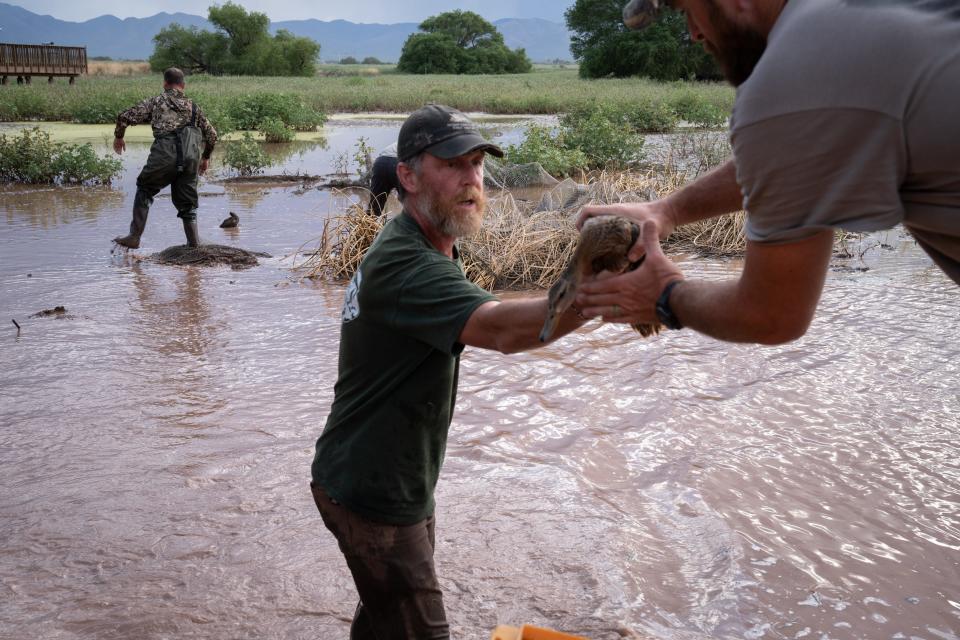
772,302
514,325
712,194
713,308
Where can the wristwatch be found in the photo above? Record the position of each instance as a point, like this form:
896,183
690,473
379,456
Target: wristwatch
664,312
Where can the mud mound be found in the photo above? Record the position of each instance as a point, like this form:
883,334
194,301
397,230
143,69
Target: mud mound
209,255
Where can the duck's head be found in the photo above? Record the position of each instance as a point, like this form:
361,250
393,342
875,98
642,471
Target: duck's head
561,296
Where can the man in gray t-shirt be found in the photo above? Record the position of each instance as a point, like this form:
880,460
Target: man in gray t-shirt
845,117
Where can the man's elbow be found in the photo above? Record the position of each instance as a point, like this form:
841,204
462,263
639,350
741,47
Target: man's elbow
508,345
779,330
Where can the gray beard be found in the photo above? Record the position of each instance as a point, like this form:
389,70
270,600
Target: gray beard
447,224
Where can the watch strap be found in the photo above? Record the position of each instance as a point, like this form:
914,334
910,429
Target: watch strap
664,313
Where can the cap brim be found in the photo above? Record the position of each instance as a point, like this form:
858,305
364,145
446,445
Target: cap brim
640,14
461,145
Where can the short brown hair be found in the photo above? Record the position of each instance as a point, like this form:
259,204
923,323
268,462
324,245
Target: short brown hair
173,76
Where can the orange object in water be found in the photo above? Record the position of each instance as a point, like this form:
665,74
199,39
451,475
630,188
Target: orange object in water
529,632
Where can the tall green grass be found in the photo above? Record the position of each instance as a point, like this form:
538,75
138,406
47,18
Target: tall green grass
98,99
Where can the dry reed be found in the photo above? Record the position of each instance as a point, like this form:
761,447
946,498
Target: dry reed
517,246
117,67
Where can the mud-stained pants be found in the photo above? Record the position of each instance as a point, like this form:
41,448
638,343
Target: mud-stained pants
160,171
393,569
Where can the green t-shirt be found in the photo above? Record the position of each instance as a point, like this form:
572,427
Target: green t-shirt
381,450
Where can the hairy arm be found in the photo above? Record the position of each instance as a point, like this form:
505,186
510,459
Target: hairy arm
772,302
712,194
510,326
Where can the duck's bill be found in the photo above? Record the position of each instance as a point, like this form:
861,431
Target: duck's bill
640,14
549,325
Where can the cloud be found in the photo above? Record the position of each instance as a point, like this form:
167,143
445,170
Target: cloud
382,11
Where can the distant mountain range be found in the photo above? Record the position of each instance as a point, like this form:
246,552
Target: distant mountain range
132,38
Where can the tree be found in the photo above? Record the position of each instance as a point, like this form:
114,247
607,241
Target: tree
460,42
371,60
190,49
465,27
241,45
662,51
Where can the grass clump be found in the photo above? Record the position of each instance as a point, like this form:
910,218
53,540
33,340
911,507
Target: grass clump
595,137
245,156
550,148
250,112
275,130
32,158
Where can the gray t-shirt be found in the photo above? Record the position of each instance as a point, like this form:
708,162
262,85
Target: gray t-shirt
852,119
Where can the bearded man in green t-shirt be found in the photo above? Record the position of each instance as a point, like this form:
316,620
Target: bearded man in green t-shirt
409,312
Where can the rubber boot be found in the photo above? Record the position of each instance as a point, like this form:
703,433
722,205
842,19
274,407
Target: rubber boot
190,230
137,225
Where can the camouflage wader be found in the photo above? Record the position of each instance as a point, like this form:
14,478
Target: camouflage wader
161,171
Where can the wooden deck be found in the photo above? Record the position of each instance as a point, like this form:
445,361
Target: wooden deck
24,61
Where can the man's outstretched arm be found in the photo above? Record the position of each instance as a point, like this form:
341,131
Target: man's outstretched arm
137,114
510,326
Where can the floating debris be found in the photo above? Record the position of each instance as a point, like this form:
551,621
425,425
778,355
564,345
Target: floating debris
56,311
208,255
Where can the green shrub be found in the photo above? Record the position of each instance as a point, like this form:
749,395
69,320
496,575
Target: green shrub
651,117
541,144
79,163
248,112
274,130
245,156
605,135
698,111
32,158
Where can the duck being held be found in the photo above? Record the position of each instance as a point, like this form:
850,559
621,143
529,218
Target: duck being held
604,243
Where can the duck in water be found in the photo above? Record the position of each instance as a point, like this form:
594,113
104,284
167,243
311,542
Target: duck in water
231,222
604,243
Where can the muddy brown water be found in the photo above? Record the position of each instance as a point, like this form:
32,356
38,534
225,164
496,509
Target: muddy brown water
155,445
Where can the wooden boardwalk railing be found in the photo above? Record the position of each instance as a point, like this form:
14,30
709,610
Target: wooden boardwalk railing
24,61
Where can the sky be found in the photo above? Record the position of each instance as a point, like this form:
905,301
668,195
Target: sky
382,11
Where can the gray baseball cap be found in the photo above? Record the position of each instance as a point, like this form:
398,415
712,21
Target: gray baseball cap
443,132
640,14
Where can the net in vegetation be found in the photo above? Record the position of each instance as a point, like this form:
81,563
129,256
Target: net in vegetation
501,175
208,255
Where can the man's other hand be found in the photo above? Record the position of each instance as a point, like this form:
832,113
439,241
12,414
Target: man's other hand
119,146
204,163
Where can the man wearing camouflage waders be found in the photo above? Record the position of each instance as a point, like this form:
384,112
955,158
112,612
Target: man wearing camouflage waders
175,158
